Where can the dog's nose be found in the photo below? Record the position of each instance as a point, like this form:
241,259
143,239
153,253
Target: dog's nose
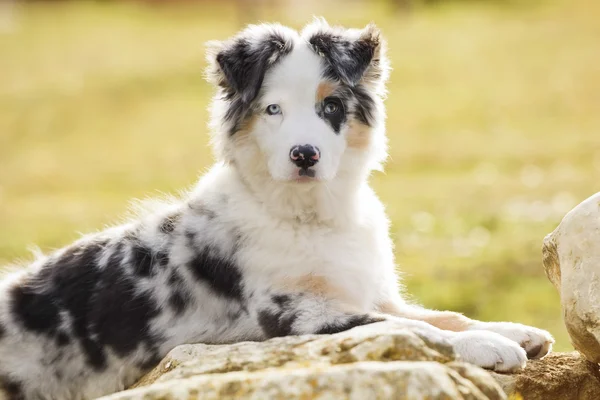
305,156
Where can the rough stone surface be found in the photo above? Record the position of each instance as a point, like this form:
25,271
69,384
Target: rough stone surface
362,380
564,376
378,361
572,263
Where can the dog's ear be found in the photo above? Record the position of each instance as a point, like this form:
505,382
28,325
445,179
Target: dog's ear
352,56
239,65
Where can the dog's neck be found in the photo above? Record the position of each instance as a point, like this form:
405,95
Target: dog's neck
325,203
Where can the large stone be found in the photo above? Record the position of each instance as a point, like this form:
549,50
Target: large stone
360,381
572,263
378,361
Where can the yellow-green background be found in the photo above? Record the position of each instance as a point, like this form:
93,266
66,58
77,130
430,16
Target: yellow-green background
494,126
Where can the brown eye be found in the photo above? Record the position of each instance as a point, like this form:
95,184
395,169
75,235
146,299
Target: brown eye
331,107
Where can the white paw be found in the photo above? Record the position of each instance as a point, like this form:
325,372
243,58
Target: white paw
489,350
536,342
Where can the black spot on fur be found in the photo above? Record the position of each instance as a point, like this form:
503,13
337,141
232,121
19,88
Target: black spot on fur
2,331
282,300
221,274
234,315
12,389
345,60
169,223
179,297
73,281
64,283
351,322
142,260
175,278
163,258
35,309
178,301
276,323
120,316
243,64
104,306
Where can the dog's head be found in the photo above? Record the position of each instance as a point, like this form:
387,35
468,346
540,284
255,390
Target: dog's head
300,107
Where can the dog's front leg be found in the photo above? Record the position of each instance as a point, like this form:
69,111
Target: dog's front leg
298,314
536,342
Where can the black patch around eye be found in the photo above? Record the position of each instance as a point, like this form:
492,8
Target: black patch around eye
243,65
335,119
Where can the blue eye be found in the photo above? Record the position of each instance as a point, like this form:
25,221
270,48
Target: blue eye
273,109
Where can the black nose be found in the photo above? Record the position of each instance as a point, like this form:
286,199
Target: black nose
305,156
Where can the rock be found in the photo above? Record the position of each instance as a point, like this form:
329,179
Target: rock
564,376
572,263
382,341
362,380
378,361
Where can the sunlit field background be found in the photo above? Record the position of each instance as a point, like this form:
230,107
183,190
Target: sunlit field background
494,126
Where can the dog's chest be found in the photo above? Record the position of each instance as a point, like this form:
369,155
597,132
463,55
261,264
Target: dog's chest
335,263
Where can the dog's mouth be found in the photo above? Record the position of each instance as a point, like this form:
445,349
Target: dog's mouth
306,172
306,175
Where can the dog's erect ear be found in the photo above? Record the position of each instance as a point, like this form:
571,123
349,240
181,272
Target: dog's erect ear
239,64
351,55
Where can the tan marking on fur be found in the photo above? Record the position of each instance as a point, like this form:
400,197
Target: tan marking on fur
358,136
446,320
242,135
247,125
389,308
321,287
325,89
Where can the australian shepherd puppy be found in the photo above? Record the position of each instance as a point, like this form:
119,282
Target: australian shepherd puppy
283,236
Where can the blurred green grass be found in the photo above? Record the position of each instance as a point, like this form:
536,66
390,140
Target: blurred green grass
493,121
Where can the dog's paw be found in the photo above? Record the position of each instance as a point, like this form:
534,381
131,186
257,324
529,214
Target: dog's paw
489,350
536,342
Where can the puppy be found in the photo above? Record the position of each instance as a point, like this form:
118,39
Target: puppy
283,236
